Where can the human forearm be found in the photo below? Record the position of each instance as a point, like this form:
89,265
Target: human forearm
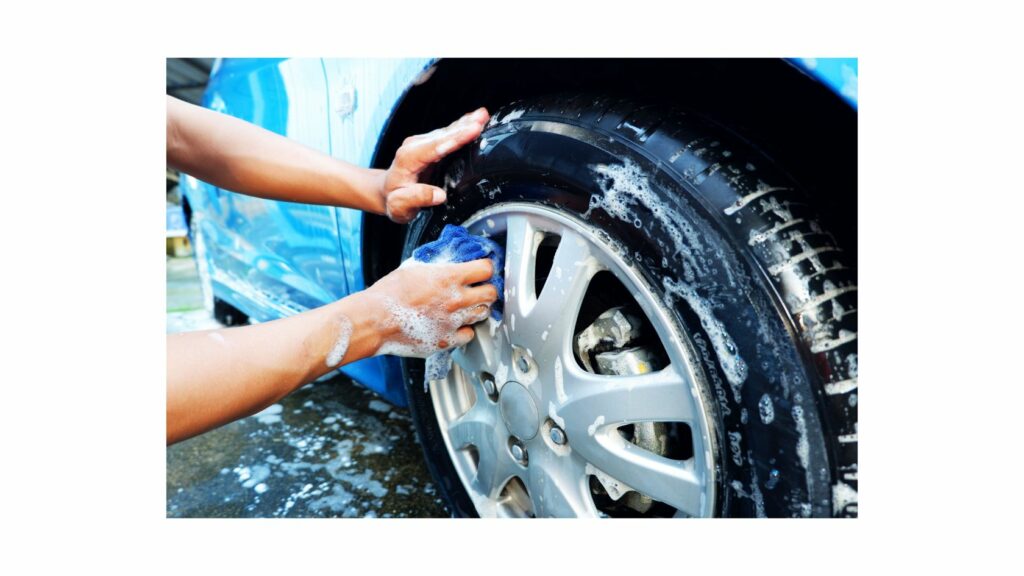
241,157
217,376
238,156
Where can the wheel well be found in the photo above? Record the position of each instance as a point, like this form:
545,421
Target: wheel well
800,123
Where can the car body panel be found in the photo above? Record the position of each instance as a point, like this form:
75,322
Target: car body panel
289,252
363,94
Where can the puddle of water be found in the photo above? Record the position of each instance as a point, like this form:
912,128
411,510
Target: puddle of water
323,452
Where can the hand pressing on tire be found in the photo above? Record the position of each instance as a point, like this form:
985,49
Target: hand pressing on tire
235,155
403,194
425,308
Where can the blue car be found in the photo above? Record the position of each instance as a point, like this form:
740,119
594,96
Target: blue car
680,328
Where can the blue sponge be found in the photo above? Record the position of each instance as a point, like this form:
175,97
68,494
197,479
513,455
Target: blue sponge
456,244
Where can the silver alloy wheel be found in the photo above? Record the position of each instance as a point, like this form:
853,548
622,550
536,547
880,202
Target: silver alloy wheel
529,357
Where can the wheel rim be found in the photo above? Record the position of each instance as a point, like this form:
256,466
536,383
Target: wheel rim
526,426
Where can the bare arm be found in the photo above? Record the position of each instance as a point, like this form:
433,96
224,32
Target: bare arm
217,376
236,155
214,377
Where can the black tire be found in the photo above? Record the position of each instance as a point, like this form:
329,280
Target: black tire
227,314
785,437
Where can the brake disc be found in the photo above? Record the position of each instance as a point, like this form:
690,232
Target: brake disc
605,347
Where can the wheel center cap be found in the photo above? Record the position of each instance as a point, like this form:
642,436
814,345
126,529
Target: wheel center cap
519,411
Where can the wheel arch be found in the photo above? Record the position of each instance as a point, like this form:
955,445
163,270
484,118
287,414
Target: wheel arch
803,125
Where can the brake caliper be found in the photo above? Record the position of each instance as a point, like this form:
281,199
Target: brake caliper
609,346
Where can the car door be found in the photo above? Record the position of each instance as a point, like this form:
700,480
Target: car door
284,256
362,94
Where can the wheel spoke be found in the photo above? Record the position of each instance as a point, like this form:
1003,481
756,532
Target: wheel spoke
486,351
552,321
597,405
466,360
479,354
493,470
520,265
557,490
474,428
673,482
477,428
594,401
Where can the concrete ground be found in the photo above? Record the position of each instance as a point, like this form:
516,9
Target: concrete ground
330,449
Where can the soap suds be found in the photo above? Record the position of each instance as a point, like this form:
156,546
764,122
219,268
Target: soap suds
553,414
251,476
592,429
732,364
615,488
430,336
501,374
513,115
767,409
270,415
842,496
559,383
341,343
802,446
734,448
421,332
627,187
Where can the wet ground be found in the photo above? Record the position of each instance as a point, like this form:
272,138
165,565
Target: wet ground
330,449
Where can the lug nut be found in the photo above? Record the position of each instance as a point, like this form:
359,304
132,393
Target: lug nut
518,451
524,364
488,383
557,435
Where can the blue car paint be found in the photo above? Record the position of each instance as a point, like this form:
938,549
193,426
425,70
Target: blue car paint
273,259
288,253
839,74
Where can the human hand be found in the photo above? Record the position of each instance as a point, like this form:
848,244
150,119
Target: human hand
428,307
403,194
